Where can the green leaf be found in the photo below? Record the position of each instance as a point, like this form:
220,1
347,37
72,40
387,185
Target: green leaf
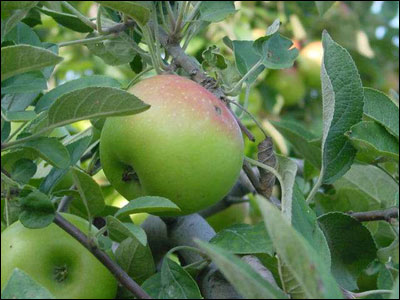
20,116
67,20
301,139
323,6
24,58
153,287
24,83
246,57
390,253
244,279
135,10
23,170
304,220
37,210
216,11
176,283
373,142
21,285
50,149
343,100
395,290
147,204
303,262
114,52
382,109
287,168
213,59
5,130
12,12
135,259
119,231
276,51
244,239
18,102
91,81
75,150
89,191
93,102
352,247
23,34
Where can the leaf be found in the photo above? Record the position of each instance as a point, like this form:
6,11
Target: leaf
18,102
20,116
304,220
23,170
276,51
395,290
153,287
147,204
50,149
37,210
119,231
89,191
323,6
23,34
274,27
382,109
216,11
91,81
352,247
374,184
213,59
302,261
67,20
244,279
135,10
373,142
12,12
246,57
22,286
5,130
176,283
244,239
93,102
24,58
301,139
136,259
114,52
287,168
390,253
75,150
24,83
343,100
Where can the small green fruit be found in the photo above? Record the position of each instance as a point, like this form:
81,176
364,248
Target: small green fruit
56,261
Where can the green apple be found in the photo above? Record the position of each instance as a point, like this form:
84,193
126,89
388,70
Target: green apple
234,214
187,147
56,261
309,63
289,83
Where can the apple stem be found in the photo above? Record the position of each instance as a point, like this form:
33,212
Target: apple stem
114,268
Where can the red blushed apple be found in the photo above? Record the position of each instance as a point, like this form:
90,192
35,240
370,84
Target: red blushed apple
187,147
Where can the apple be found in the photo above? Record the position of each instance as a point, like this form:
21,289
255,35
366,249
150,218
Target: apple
309,63
234,214
187,147
56,261
289,83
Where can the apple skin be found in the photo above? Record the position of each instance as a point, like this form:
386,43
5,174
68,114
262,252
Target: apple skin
289,83
187,147
309,63
234,214
38,252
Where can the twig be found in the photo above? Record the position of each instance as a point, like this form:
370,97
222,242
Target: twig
115,269
376,215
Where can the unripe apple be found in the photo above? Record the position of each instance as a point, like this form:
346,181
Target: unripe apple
187,147
234,214
289,83
309,63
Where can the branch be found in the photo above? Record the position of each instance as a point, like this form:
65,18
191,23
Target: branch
376,215
115,269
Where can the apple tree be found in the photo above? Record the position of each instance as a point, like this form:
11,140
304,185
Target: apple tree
199,149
